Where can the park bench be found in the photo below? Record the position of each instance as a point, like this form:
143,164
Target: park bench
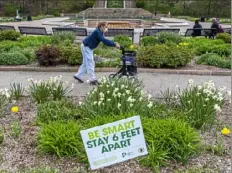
6,27
227,30
204,32
33,30
152,32
77,31
120,31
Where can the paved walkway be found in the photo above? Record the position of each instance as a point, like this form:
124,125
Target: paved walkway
154,82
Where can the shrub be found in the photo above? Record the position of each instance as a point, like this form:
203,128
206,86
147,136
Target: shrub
164,37
9,35
60,37
124,41
214,60
72,55
168,139
202,46
57,110
201,103
115,4
226,37
107,52
14,58
163,56
117,96
32,41
140,3
62,139
148,41
48,55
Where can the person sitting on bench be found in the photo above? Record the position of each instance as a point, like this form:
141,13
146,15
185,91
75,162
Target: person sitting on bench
197,29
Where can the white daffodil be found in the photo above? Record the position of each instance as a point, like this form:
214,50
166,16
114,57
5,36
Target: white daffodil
217,108
229,93
123,86
128,92
119,94
199,87
95,102
108,92
119,105
207,99
72,86
131,104
150,105
80,103
190,81
108,100
149,96
101,94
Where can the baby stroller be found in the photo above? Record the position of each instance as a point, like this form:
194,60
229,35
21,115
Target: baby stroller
128,62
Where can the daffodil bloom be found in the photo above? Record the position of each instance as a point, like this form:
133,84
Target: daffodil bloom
15,109
132,46
225,131
217,108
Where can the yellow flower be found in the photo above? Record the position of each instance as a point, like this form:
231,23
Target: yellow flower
132,46
186,44
15,109
181,44
177,46
225,131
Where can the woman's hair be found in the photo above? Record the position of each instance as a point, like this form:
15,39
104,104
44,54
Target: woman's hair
196,21
100,24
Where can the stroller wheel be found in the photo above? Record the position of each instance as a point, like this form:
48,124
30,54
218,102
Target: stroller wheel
112,75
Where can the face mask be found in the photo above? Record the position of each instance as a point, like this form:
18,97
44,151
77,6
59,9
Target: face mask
106,29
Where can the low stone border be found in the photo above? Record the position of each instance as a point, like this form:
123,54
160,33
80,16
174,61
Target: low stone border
106,69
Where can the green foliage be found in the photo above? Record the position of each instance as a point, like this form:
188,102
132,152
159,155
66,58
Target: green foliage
140,3
62,139
9,35
10,9
15,129
218,149
34,41
115,4
16,91
226,37
71,54
116,96
107,52
39,170
61,37
13,58
148,41
123,41
163,56
48,55
57,110
202,46
4,95
165,37
201,103
108,63
214,60
1,136
42,91
170,139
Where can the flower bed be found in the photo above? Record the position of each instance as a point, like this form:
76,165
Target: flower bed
166,50
47,123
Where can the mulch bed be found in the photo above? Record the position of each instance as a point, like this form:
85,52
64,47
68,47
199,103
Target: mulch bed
20,153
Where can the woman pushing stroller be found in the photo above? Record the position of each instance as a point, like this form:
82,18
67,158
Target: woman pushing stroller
87,46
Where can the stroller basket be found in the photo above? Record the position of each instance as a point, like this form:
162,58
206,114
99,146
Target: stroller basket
129,58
